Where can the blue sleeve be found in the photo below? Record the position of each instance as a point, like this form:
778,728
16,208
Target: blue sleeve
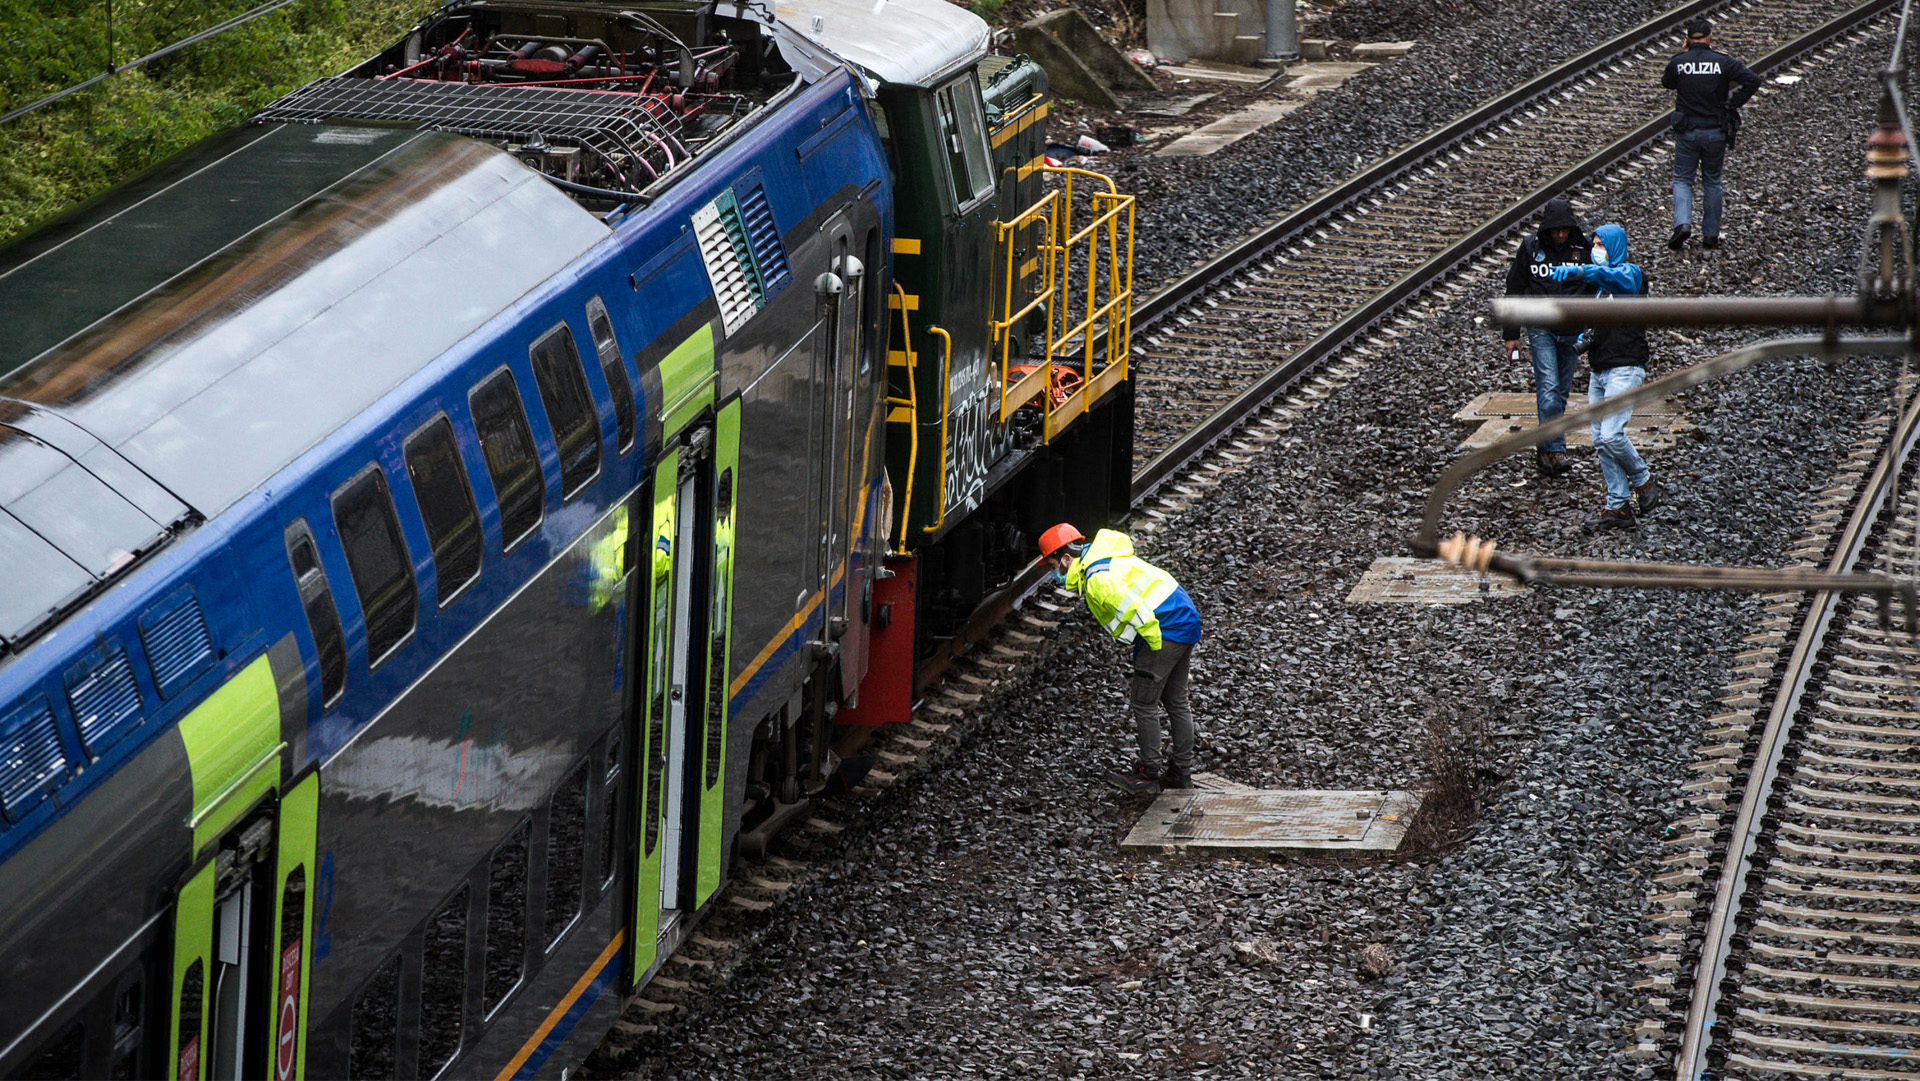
1623,278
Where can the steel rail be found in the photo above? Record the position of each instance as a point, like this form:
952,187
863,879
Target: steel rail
1362,319
1703,1006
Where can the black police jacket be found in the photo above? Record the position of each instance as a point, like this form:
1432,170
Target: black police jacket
1531,272
1706,84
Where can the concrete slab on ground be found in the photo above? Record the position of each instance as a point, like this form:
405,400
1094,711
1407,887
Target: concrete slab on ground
1171,106
1382,50
1654,426
1322,75
1406,580
1307,821
1218,72
1228,129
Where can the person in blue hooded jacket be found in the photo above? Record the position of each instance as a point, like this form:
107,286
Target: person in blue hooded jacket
1617,361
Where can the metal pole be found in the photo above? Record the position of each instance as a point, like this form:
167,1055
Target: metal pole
1283,33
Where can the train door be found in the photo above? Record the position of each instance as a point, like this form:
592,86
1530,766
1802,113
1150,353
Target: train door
678,612
835,378
242,925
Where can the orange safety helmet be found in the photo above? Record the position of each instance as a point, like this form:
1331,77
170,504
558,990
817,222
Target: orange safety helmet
1057,538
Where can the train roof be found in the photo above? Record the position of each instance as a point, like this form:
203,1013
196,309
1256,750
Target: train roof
176,342
913,42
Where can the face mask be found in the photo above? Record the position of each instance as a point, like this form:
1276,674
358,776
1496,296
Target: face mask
1058,577
1600,256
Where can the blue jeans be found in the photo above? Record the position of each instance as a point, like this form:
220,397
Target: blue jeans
1554,362
1620,464
1704,149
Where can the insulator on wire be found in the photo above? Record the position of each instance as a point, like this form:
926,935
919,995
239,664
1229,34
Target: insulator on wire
1469,552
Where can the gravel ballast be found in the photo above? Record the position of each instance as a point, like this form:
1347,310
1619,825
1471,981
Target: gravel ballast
979,919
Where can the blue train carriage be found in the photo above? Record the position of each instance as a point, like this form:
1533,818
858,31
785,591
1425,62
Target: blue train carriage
440,520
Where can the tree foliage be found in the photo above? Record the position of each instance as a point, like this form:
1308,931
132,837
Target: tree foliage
75,149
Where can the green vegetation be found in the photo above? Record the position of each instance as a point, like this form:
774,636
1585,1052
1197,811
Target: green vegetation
79,147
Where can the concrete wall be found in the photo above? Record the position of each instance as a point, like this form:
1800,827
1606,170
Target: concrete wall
1230,31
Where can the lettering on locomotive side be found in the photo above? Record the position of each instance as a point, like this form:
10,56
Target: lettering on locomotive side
1699,67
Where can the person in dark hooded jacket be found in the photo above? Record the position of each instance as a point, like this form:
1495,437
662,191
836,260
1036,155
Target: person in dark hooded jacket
1617,359
1559,241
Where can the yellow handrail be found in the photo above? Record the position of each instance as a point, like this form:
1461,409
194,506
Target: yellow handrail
946,383
1099,374
912,402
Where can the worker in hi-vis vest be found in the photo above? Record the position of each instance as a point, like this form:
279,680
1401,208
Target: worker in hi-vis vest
1137,602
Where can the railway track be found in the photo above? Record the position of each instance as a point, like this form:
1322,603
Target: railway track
1219,344
1809,960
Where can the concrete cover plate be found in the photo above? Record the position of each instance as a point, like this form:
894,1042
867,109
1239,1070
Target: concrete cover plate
1405,580
1172,106
1228,129
1218,72
1306,820
1654,426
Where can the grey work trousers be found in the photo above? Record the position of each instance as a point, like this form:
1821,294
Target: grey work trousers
1160,679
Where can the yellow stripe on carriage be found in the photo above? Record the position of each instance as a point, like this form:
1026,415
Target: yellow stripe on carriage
560,1010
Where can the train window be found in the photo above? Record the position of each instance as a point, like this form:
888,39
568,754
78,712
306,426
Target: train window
193,986
609,804
375,1025
376,560
61,1059
129,1030
963,129
563,390
506,917
446,505
323,619
508,445
615,370
443,983
566,853
718,624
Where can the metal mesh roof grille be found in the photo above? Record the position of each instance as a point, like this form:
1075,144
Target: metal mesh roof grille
763,237
30,758
723,247
104,698
616,126
178,645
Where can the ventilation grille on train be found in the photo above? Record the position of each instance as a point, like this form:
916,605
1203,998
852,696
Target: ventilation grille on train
104,698
31,761
763,239
178,645
740,245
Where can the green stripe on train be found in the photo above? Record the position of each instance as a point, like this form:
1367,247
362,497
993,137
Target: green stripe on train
233,750
686,381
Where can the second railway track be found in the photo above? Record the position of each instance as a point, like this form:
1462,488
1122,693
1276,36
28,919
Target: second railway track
1216,345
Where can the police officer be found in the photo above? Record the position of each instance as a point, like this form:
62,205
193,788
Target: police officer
1705,118
1559,241
1137,602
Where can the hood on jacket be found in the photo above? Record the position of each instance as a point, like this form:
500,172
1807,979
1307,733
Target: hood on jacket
1559,215
1614,238
1106,544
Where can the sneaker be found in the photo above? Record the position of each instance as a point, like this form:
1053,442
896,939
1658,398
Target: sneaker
1552,463
1175,778
1137,779
1620,517
1648,496
1679,238
1709,242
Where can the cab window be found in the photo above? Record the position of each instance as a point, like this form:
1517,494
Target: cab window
964,135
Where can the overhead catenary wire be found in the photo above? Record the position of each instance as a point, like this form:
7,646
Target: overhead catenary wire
241,19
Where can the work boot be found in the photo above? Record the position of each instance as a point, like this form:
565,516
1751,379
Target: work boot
1679,238
1709,242
1620,517
1138,779
1175,778
1648,496
1552,463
